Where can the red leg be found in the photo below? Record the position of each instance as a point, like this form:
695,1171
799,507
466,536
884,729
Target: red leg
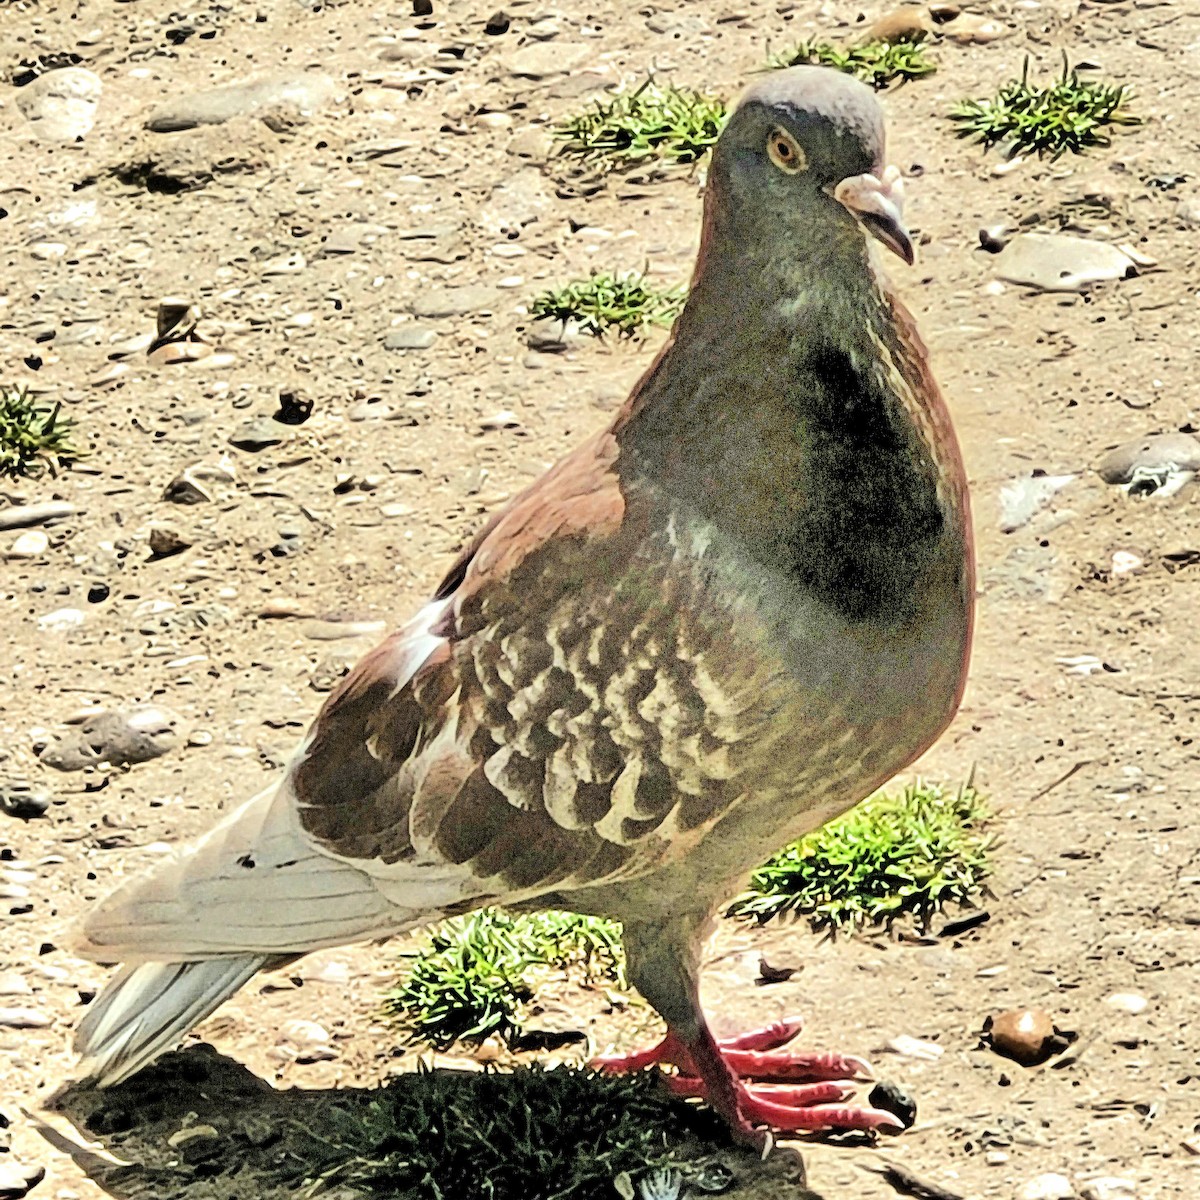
715,1070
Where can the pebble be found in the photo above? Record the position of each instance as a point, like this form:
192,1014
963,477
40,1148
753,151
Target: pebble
12,984
116,737
552,336
302,93
501,420
1057,262
969,29
1129,1002
31,544
257,434
1049,1186
1187,212
60,620
542,59
19,799
196,1143
317,630
910,1047
409,337
908,23
454,302
61,105
24,1018
1150,461
166,540
17,516
1108,1187
17,1180
1026,1035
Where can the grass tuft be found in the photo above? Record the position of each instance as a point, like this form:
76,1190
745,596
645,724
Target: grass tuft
474,975
33,436
673,124
893,855
876,63
1071,114
530,1134
625,302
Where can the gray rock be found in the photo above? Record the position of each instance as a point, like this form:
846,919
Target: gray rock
453,302
541,59
302,93
552,336
1160,463
61,105
19,798
257,434
166,540
409,337
1057,262
116,737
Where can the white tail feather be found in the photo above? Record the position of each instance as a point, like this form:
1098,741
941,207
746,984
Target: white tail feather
147,1009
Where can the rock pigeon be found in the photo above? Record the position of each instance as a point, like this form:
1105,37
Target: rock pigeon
719,622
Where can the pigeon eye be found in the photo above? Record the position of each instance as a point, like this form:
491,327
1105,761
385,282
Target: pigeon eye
785,153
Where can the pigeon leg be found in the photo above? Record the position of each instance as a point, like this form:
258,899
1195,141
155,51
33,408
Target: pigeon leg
728,1075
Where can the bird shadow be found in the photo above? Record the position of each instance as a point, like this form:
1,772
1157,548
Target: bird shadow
200,1126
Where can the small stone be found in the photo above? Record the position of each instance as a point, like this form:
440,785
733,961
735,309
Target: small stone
31,544
899,1101
541,59
501,420
422,8
302,94
553,336
196,1143
497,24
257,434
21,800
409,337
1047,1187
61,105
1108,1187
1129,1002
166,540
1187,212
453,302
1157,452
186,489
17,516
12,984
61,620
24,1018
17,1180
116,737
1026,1035
536,142
993,238
1058,262
318,630
910,1047
968,29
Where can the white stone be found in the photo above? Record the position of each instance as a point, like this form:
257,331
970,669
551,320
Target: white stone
1129,1002
1047,1187
33,543
60,620
1108,1187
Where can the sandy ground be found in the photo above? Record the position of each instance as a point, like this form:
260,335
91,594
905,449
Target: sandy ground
306,240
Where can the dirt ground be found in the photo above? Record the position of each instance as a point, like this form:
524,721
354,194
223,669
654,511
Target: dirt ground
305,241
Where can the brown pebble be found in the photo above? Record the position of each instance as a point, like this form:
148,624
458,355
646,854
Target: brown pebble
908,23
1026,1035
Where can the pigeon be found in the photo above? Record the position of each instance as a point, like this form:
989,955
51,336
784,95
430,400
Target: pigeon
719,622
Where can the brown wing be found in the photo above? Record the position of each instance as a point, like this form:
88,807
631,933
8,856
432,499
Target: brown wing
550,720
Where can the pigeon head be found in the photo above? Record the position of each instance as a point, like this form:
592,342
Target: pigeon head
799,171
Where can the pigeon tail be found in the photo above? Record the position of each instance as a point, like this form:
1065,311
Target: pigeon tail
146,1009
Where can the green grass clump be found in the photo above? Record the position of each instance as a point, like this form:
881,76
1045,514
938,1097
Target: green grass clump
526,1135
1068,115
625,302
33,437
475,975
876,63
893,855
673,124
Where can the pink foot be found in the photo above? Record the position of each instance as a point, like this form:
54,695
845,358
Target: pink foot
716,1070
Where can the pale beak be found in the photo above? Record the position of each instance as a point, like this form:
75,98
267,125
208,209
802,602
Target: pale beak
878,204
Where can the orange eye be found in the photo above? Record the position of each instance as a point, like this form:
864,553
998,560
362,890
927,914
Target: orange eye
784,152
